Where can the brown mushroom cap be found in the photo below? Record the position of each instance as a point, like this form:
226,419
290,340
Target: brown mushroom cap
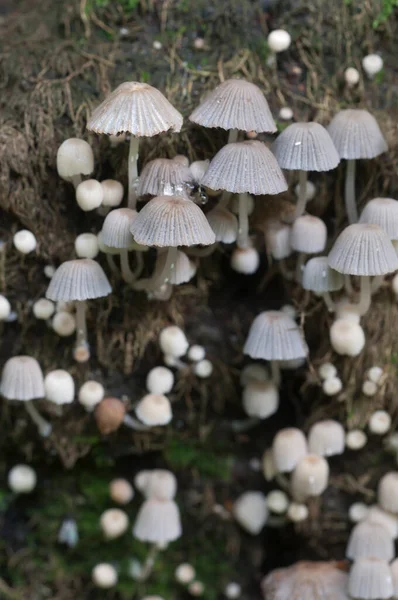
109,415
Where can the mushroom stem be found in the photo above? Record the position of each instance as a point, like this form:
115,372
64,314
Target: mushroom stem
112,265
75,180
328,301
201,252
275,373
133,171
127,273
81,325
129,421
299,266
348,286
139,265
377,282
365,297
302,198
243,232
289,275
43,426
157,280
349,193
149,563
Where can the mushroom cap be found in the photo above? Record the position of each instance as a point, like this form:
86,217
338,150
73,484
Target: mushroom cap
288,447
79,279
158,521
245,167
308,234
235,104
277,237
184,270
384,213
387,492
370,539
363,249
319,277
260,399
170,221
370,579
161,173
326,438
22,379
224,224
356,134
160,484
116,228
137,108
154,410
109,415
310,477
59,387
305,147
74,157
251,511
274,335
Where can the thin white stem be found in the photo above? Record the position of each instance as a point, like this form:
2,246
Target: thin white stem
299,266
163,276
81,326
365,298
329,302
348,286
302,198
224,200
377,282
127,273
139,264
289,275
133,423
133,171
112,265
275,373
243,232
149,563
349,195
43,426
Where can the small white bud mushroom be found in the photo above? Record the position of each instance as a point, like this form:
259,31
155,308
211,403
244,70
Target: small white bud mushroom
369,388
86,245
22,479
113,193
351,76
327,370
59,387
251,511
43,309
358,512
260,399
157,45
245,260
372,64
196,588
346,310
310,477
49,271
289,310
184,573
24,241
64,323
89,194
62,306
253,372
332,386
74,159
355,439
310,190
172,341
104,575
90,394
196,353
279,40
375,374
199,43
297,512
286,113
160,380
379,422
347,337
154,410
203,369
277,502
232,590
114,523
121,491
5,308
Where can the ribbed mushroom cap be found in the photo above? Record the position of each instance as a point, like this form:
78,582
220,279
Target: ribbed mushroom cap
319,277
172,221
274,336
137,108
326,438
161,173
116,228
370,540
235,104
394,573
363,249
387,492
22,379
305,147
245,167
308,234
306,581
370,579
386,519
356,134
384,213
158,522
289,446
224,224
310,477
80,279
184,270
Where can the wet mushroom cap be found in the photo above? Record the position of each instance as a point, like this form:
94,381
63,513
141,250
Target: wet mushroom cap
80,279
160,173
116,228
22,379
356,134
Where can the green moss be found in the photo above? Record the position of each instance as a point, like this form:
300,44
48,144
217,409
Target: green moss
210,460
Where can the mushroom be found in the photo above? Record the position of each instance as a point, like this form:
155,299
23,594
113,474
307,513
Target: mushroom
260,399
116,234
251,512
318,277
114,523
86,245
387,492
90,394
89,194
356,134
370,539
370,578
289,446
78,281
22,479
104,575
59,387
310,477
326,438
308,580
305,147
163,174
74,159
112,193
224,224
160,380
154,410
121,491
24,241
141,110
184,269
308,235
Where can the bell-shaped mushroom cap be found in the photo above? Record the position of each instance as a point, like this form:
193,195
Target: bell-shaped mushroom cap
326,438
319,277
172,221
356,134
116,228
74,157
161,484
137,108
109,414
251,511
224,224
387,492
260,399
289,446
22,379
363,249
310,477
394,572
235,104
161,173
245,167
384,213
370,539
275,336
79,279
158,522
184,270
305,147
277,237
154,410
307,580
370,579
308,235
375,514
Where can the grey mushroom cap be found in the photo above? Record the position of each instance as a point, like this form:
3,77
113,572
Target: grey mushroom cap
363,249
356,134
137,108
170,221
76,280
319,277
305,147
182,271
22,379
308,234
235,104
274,335
224,224
116,228
243,167
370,579
384,213
162,172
